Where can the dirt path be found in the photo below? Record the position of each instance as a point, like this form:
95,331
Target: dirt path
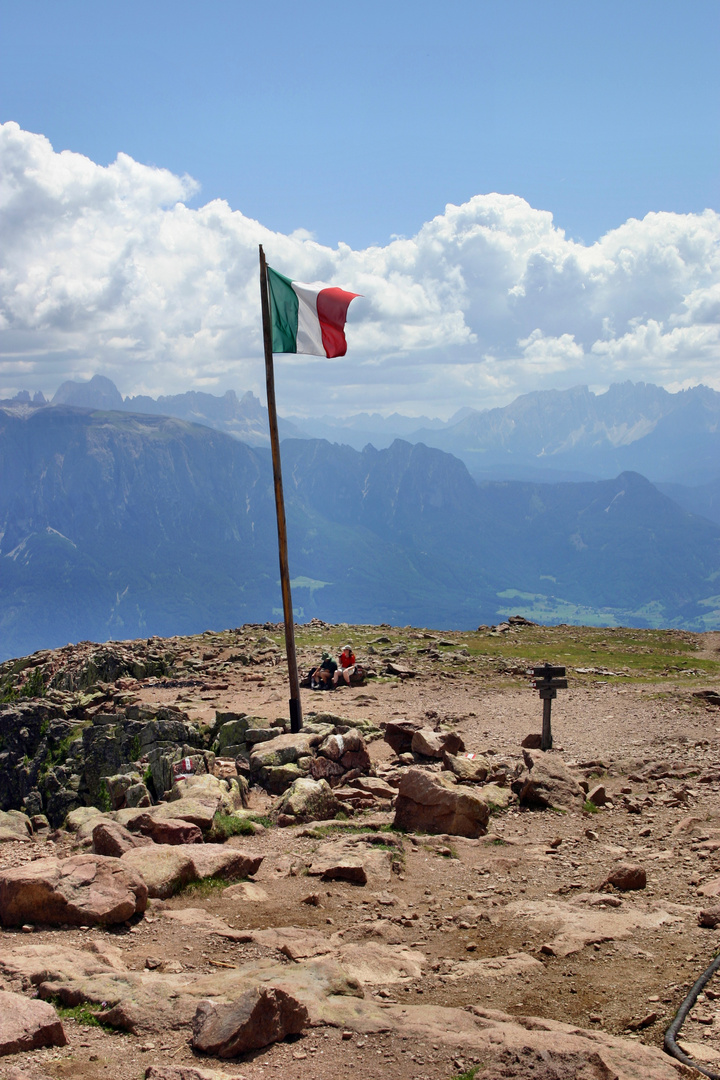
613,963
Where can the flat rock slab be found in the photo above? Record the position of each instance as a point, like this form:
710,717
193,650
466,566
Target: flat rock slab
376,862
27,1024
188,1072
84,890
258,1018
495,1035
33,961
710,888
495,967
203,921
247,891
576,925
153,1001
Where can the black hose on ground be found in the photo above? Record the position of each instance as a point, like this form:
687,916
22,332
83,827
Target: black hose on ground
670,1035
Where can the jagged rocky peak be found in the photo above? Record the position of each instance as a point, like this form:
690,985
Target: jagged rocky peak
98,393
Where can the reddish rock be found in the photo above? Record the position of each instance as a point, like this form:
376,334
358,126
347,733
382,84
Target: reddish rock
84,890
374,786
434,744
433,803
113,840
626,876
172,831
355,759
533,741
597,795
344,868
710,917
27,1024
548,783
399,735
217,860
322,768
258,1018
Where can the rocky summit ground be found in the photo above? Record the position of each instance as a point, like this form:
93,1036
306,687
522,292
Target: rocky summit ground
399,953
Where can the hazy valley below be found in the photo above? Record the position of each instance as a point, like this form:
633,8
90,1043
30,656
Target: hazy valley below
119,524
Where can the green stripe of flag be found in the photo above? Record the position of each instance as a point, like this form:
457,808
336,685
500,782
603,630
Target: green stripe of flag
283,312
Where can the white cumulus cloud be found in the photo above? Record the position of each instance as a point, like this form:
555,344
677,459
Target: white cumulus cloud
106,269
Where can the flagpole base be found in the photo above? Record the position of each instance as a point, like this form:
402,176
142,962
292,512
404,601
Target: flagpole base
295,715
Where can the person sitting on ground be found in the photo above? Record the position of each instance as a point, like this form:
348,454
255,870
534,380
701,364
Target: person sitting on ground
323,675
347,665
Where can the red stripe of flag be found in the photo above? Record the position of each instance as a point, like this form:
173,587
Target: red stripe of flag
332,305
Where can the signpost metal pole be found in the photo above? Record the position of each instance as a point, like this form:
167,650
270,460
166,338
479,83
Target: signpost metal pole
546,740
294,679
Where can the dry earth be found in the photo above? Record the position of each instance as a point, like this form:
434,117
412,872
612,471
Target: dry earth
510,922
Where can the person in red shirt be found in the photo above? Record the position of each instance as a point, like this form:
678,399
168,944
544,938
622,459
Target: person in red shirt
346,665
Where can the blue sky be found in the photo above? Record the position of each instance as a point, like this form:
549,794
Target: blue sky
357,122
351,125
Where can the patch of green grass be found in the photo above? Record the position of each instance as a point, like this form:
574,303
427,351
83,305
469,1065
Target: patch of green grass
499,842
34,686
469,1074
589,807
319,832
225,825
209,886
82,1014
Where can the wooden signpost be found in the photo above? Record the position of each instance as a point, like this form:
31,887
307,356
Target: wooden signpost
548,680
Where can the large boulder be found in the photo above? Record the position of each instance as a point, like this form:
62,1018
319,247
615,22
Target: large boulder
84,890
190,810
434,744
112,840
229,863
548,783
27,1024
284,750
433,803
15,826
167,830
163,867
259,1017
223,795
117,787
231,730
79,817
308,800
276,779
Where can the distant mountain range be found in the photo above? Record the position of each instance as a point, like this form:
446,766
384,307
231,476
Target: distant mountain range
544,437
117,524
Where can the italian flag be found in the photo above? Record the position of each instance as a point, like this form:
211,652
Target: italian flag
307,318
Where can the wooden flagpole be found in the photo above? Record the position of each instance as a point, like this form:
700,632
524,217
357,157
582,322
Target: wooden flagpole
294,680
